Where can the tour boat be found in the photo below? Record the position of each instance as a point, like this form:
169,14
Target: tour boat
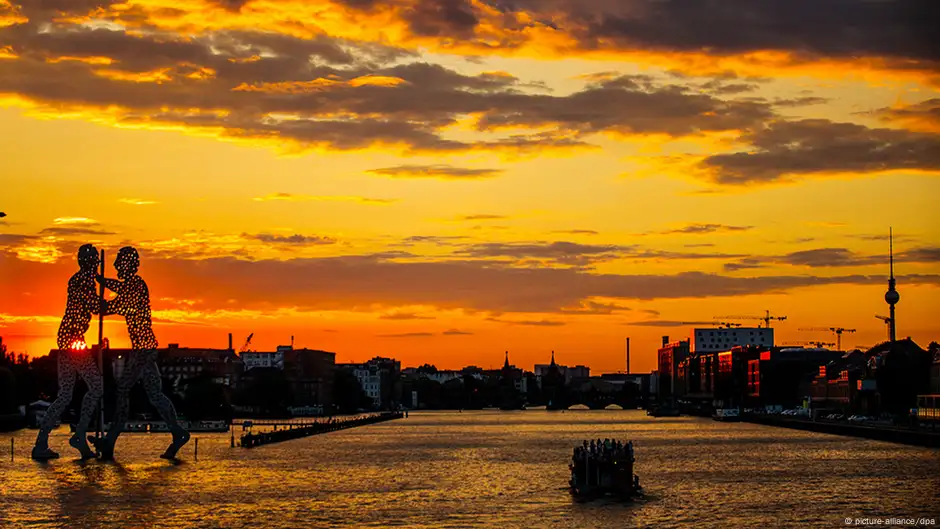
604,472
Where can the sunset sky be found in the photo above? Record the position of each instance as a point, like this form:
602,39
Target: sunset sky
444,180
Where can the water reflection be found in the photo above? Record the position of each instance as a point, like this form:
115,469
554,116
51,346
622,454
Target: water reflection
477,470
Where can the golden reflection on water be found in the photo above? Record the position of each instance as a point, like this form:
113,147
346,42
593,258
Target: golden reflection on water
474,469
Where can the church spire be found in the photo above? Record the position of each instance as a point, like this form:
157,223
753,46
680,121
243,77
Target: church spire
553,359
506,363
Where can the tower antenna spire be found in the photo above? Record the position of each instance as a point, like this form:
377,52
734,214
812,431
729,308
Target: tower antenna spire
891,296
891,250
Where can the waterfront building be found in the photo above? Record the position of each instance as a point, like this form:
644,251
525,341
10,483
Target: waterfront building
835,386
668,358
716,339
934,350
379,380
896,372
569,374
222,366
774,378
309,372
271,359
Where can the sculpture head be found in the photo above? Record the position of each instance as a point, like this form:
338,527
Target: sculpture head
127,262
88,257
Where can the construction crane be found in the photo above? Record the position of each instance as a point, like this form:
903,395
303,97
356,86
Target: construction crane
727,325
244,348
836,330
813,343
887,321
766,318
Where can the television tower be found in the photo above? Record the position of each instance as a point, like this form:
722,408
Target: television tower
891,296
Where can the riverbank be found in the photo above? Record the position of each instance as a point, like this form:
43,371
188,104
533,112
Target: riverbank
894,435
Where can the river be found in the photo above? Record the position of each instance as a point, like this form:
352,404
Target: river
475,469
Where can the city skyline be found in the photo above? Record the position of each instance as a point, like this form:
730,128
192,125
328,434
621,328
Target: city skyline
441,182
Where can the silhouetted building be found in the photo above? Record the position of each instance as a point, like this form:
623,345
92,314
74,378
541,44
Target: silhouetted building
223,366
379,379
835,385
274,359
900,371
669,356
568,374
934,349
309,373
775,377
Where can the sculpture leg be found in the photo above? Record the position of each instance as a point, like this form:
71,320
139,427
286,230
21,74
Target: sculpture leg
121,406
163,404
66,372
88,370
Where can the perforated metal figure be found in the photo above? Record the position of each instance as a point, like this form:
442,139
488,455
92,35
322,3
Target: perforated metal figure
75,358
133,302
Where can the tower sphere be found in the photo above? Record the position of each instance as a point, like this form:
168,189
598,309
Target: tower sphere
892,297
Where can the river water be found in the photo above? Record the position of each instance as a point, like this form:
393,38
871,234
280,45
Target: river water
476,469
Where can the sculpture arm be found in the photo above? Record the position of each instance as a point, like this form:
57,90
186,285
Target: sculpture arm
114,285
89,296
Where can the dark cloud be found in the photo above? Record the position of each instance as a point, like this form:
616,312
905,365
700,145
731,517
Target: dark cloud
786,149
404,316
839,28
577,232
345,283
629,105
8,240
919,255
567,253
296,239
339,94
925,113
67,231
881,237
593,307
530,323
231,5
699,229
800,101
442,18
668,323
742,264
825,257
445,172
836,257
437,240
482,216
456,332
576,254
407,335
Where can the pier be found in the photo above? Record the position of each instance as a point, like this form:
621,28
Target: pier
292,430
